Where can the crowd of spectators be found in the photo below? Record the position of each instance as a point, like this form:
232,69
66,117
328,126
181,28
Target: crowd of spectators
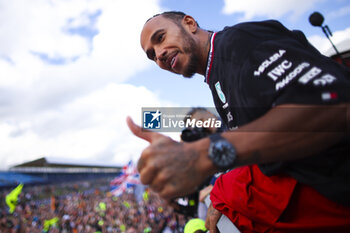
86,207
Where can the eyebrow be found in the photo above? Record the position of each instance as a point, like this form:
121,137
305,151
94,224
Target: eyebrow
154,35
150,52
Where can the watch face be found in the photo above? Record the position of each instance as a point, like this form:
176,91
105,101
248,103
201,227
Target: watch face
222,154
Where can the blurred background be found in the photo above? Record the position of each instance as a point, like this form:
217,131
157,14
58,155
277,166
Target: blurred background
70,73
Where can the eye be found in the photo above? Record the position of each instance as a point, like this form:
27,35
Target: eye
160,37
151,55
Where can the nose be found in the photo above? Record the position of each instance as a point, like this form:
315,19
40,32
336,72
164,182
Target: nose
161,57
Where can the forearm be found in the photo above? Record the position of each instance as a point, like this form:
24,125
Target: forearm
289,132
286,133
260,148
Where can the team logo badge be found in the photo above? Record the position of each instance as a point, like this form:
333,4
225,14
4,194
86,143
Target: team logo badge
220,93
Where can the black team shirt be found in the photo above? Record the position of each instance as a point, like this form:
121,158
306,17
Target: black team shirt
253,67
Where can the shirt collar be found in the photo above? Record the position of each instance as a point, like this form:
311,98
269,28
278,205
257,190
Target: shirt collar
210,58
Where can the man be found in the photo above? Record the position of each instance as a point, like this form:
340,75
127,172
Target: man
290,104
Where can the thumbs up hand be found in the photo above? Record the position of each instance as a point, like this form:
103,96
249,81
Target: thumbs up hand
171,168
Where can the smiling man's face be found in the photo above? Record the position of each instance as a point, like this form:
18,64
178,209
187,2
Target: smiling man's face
170,45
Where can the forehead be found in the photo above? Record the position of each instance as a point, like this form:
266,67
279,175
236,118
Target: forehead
153,25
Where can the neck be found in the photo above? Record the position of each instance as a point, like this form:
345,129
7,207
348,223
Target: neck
205,47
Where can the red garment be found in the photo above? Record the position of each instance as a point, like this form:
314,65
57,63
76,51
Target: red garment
258,203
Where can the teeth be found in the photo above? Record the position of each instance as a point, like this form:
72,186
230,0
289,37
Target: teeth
172,61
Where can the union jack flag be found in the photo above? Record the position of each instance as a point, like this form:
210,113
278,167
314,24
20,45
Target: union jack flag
127,179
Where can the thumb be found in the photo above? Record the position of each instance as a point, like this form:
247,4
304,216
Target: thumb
145,134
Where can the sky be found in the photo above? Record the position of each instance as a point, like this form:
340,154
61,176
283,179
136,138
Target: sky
71,71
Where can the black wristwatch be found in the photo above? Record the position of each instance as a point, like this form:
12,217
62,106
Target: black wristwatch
221,152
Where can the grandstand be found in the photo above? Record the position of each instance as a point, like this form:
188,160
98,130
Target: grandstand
344,52
52,170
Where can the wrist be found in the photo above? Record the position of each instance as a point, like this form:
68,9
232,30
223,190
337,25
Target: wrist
204,165
222,153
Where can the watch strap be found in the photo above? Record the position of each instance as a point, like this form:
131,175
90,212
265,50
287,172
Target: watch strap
216,137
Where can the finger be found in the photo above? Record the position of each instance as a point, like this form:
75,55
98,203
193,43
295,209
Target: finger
140,164
145,155
147,174
140,132
168,192
159,181
146,158
137,130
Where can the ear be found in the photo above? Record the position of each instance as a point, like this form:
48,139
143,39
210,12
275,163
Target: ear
190,23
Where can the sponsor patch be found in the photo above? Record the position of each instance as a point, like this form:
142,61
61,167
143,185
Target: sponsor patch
327,96
291,75
229,117
324,80
313,72
279,70
220,92
266,63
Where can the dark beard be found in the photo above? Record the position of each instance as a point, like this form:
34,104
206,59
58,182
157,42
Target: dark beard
191,49
191,67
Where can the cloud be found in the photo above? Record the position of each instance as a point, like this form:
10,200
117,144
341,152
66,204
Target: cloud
39,36
61,68
268,8
338,13
91,127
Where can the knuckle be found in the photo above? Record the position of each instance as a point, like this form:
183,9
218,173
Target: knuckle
144,158
153,165
159,181
145,176
148,151
143,179
164,141
155,187
163,177
167,193
146,162
140,165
